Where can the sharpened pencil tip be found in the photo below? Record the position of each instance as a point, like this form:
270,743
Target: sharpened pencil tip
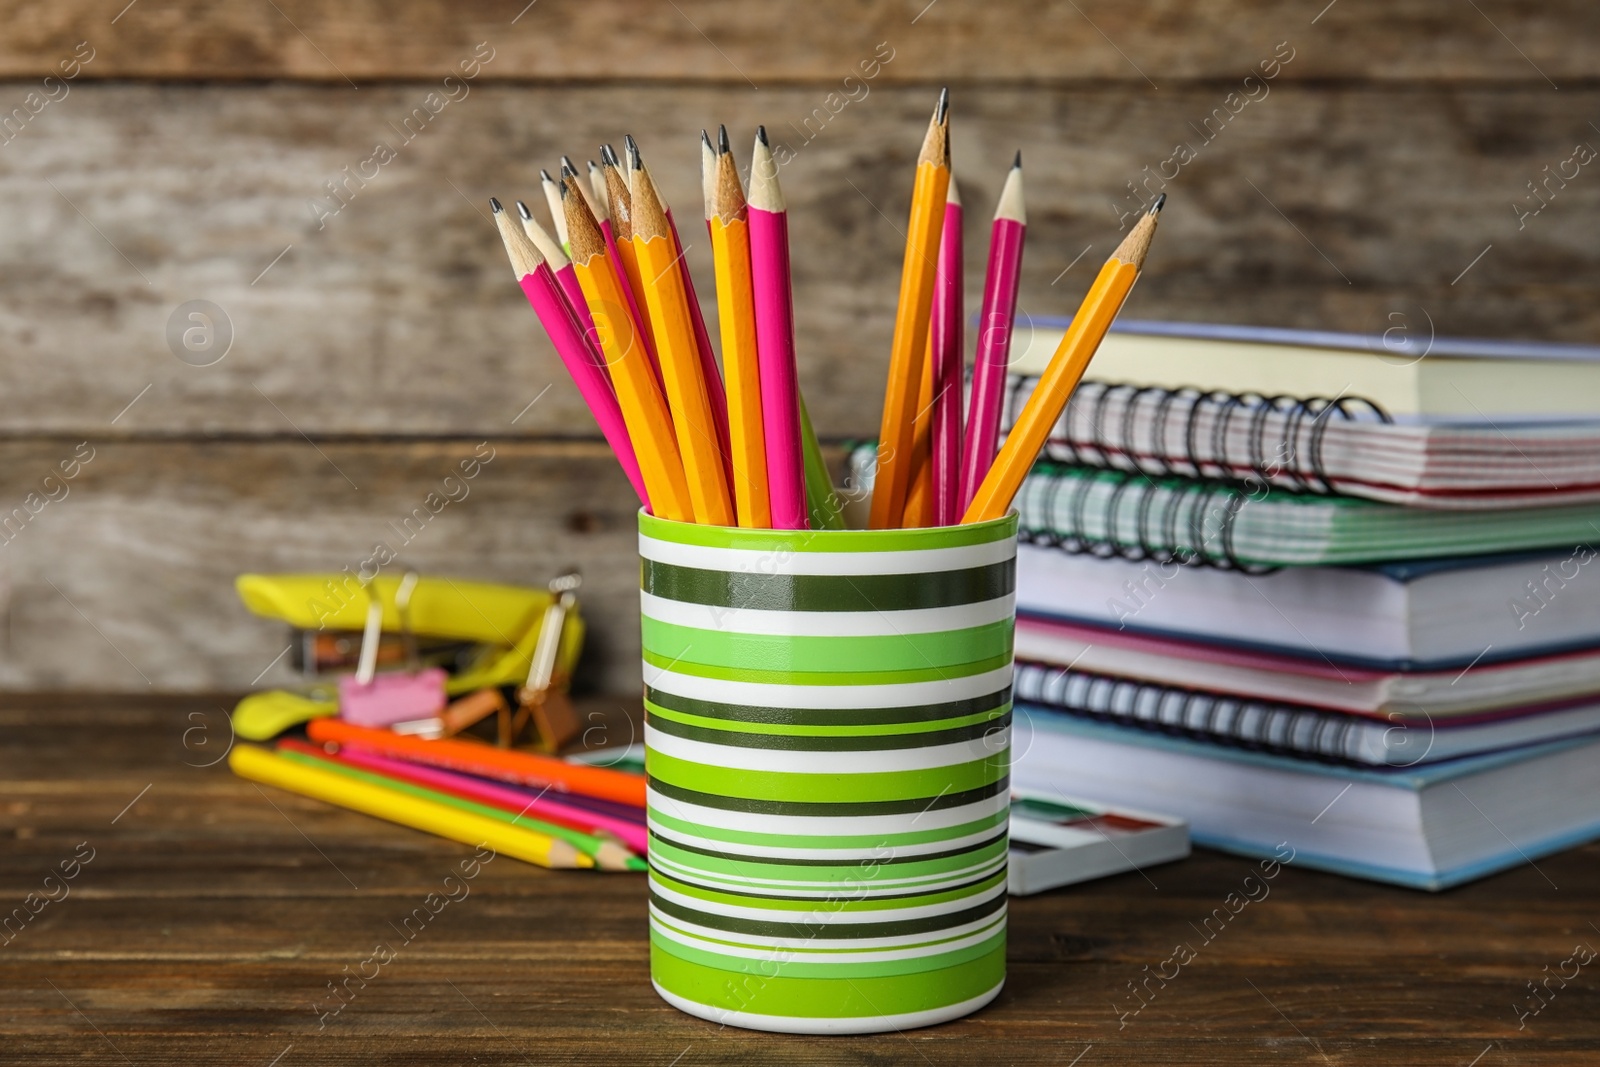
634,162
722,140
761,135
566,164
942,112
563,187
1161,201
567,171
608,156
1016,164
705,141
522,209
544,175
494,205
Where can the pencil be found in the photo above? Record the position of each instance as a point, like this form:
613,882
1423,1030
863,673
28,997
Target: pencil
736,311
608,855
995,324
486,761
619,248
774,299
1094,316
716,396
906,357
620,336
823,505
599,202
547,808
682,374
259,765
918,510
565,277
539,285
947,363
552,199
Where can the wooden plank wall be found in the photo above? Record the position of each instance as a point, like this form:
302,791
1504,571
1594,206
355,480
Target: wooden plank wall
168,151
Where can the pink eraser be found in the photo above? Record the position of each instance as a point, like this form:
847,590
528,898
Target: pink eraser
392,698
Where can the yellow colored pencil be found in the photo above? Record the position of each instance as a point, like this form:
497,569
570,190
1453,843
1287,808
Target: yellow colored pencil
619,201
736,309
644,409
909,351
259,765
677,350
919,491
1094,317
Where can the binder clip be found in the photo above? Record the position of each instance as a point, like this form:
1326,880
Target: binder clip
371,699
543,699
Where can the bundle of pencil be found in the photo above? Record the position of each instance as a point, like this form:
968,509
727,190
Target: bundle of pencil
613,291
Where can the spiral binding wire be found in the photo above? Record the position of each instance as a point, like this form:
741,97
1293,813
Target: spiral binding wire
1262,726
1295,456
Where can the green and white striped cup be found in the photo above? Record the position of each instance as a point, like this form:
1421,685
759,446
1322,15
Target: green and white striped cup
827,741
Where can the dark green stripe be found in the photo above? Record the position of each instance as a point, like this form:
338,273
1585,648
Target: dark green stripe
710,709
752,806
761,927
999,874
852,861
829,743
824,592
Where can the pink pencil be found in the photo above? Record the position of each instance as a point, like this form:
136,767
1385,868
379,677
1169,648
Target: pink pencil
641,330
780,386
994,333
567,278
633,835
948,361
539,285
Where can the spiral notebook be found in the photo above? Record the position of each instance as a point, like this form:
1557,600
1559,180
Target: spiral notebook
1395,740
1109,512
1347,445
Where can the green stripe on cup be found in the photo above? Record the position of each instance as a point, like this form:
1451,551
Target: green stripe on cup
848,910
827,592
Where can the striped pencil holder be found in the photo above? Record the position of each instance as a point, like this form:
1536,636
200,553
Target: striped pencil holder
827,742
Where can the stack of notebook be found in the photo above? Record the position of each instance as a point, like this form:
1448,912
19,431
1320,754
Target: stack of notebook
1318,591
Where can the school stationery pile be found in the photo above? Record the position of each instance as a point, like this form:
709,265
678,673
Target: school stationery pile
1358,625
613,293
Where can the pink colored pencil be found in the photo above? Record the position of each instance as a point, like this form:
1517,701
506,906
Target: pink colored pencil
949,292
567,278
539,285
636,837
780,386
994,333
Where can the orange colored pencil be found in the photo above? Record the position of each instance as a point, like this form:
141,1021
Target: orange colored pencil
474,757
909,351
644,409
736,309
677,350
1094,317
919,493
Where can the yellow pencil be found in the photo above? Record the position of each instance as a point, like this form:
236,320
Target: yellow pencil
619,202
919,491
736,308
909,352
259,765
644,409
677,350
1094,317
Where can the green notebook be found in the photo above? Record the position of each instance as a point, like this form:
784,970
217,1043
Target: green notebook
1101,511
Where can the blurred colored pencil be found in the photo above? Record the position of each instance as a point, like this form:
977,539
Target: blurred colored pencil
996,322
906,358
780,386
1089,325
259,765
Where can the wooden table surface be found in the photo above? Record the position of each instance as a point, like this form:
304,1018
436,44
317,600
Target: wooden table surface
213,915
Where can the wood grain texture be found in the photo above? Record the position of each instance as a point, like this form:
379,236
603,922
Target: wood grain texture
739,44
214,913
126,583
1316,206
